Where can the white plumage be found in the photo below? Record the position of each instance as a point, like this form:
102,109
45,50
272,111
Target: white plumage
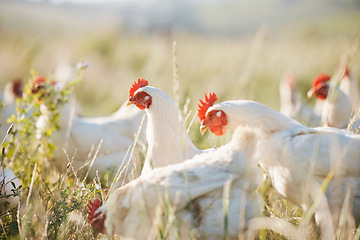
194,189
83,135
337,107
110,137
350,86
337,102
168,140
337,112
291,154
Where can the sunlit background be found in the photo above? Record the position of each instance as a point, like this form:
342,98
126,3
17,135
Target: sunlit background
239,49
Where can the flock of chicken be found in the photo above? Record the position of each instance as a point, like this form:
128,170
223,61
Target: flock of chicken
212,193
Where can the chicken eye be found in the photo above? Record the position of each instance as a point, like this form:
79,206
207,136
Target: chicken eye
210,115
139,95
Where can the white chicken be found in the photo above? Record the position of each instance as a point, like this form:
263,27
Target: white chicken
168,140
292,106
338,106
349,85
295,157
9,184
82,135
194,192
116,133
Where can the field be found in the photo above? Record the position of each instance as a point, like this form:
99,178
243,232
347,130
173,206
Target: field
247,65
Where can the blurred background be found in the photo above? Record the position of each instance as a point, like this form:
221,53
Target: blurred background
238,49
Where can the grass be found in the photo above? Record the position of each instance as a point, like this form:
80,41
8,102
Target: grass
53,204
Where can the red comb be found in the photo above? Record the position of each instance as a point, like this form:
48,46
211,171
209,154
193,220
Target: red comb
39,80
204,106
141,82
321,78
93,206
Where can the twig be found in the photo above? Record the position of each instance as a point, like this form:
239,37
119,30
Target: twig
99,182
42,179
7,133
192,121
69,166
2,226
31,186
118,174
3,214
241,234
93,160
18,218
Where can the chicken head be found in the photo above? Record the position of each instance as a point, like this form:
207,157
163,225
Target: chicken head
215,120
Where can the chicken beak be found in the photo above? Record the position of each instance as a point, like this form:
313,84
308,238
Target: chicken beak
129,102
203,129
310,93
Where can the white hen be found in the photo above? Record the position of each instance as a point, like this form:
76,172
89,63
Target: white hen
293,154
168,140
82,136
117,133
192,191
350,86
338,106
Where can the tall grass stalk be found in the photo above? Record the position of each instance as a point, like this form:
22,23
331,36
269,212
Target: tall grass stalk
176,82
39,174
341,230
357,233
172,225
245,79
31,186
309,177
69,168
242,214
226,204
355,117
94,158
131,151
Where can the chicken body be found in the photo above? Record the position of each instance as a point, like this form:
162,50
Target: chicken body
337,107
166,134
337,111
350,86
297,158
193,192
80,137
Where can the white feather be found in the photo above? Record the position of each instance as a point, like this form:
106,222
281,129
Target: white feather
195,190
168,140
287,152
